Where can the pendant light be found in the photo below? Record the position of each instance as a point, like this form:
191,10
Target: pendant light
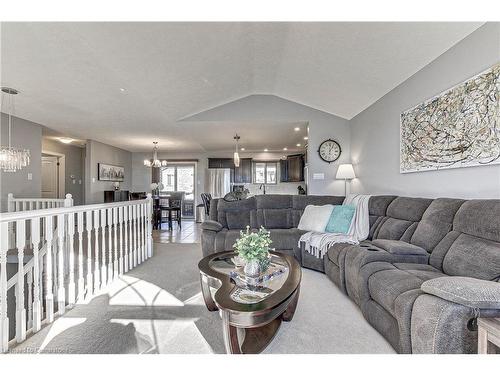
155,162
236,155
12,159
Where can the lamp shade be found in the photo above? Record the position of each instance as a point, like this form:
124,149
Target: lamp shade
345,172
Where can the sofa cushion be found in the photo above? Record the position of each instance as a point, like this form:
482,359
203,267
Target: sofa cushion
401,219
465,291
387,285
436,222
479,218
270,218
399,247
473,257
315,218
335,250
285,239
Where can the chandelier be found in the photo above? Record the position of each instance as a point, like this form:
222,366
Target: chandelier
155,162
12,159
236,155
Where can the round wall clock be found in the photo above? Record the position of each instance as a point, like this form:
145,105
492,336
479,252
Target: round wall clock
329,150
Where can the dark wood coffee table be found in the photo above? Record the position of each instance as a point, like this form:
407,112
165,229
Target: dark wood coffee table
249,327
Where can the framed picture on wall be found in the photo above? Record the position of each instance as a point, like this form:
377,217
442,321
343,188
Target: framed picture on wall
108,172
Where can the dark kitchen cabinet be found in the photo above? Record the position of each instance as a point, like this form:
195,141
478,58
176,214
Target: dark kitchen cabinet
220,163
240,175
292,168
243,174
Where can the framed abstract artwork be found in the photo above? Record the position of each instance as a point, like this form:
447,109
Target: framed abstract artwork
457,128
108,172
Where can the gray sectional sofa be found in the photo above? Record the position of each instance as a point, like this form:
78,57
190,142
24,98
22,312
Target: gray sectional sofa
429,268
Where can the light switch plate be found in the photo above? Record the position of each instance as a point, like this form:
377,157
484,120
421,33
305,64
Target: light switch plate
30,176
318,176
93,179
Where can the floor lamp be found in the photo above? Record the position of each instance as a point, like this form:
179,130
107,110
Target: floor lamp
345,172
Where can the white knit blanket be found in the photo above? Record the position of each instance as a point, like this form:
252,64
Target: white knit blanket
317,244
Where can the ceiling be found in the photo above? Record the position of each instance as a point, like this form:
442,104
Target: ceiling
127,84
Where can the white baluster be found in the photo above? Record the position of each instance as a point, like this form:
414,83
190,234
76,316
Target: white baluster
49,296
125,243
71,259
61,290
4,320
88,218
130,239
35,239
143,225
120,223
115,239
97,284
150,229
20,310
136,242
81,280
139,235
103,247
40,297
29,280
110,244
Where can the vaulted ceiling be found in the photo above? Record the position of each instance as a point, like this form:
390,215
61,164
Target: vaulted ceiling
127,84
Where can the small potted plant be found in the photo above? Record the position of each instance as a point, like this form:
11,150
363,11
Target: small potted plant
253,248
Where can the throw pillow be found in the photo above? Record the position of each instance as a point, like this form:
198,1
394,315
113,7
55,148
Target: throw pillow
315,218
340,219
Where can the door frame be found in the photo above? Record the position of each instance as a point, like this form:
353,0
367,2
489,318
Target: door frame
61,172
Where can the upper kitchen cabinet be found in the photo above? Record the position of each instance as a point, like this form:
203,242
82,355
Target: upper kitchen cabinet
220,163
243,173
292,168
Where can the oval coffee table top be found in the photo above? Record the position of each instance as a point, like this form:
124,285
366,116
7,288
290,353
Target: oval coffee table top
221,265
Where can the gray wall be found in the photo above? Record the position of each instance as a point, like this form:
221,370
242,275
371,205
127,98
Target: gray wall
375,131
74,166
97,152
322,126
25,134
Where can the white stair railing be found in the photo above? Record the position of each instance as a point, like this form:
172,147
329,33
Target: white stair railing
66,266
29,204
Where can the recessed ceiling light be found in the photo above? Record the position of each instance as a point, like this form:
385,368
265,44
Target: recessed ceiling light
265,150
122,89
284,149
242,149
298,144
66,140
306,138
297,129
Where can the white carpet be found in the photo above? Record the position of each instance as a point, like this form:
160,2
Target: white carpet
158,308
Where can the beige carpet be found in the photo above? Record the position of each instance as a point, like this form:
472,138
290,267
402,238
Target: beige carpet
158,308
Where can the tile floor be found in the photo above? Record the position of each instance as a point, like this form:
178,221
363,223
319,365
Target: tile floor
190,232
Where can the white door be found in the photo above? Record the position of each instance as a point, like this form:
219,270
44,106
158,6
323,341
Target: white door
50,173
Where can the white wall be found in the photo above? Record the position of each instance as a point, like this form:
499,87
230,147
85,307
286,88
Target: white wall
25,134
97,152
322,126
375,131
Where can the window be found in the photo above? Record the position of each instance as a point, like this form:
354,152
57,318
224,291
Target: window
180,177
265,172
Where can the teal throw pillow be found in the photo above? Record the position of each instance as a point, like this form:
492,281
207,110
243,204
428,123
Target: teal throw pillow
340,219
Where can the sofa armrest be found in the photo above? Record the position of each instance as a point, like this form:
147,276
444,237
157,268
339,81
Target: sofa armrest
211,225
466,291
399,247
